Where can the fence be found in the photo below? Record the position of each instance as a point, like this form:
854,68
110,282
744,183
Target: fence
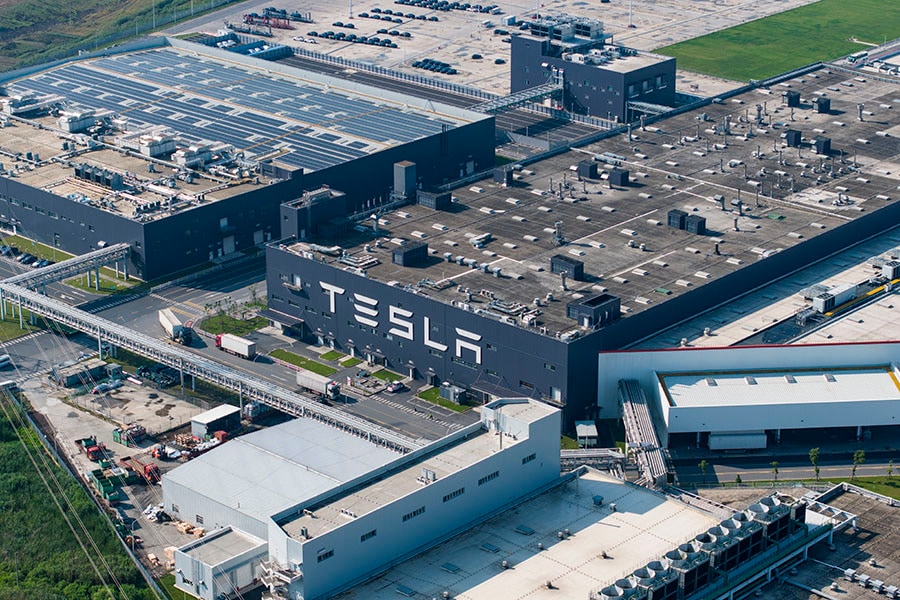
53,451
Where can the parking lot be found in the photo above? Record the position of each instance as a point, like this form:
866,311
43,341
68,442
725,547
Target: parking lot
459,34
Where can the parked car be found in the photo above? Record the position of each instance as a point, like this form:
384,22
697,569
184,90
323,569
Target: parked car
394,387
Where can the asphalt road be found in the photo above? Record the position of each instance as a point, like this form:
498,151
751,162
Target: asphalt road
399,412
789,468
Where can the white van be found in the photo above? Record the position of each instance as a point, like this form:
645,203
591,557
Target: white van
8,386
5,361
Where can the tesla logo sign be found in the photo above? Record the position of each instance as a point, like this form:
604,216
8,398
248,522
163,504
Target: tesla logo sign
402,325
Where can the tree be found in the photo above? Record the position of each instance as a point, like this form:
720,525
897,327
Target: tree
859,457
774,465
738,480
703,465
814,459
890,469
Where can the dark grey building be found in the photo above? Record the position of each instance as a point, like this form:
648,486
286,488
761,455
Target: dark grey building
186,152
600,78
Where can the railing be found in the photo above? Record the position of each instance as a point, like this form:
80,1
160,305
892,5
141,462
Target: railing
188,363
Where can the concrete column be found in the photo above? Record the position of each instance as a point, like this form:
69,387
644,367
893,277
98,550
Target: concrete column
97,277
2,307
778,436
858,432
698,439
117,268
21,319
125,267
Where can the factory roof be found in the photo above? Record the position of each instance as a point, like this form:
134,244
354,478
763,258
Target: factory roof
192,106
216,413
270,470
383,490
795,386
620,233
643,526
222,545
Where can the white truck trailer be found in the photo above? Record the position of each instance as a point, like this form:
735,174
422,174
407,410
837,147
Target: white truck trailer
176,330
236,345
326,387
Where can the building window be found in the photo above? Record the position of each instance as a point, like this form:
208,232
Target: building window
549,367
462,362
52,215
492,372
526,385
647,85
661,81
199,519
283,277
434,352
294,304
490,477
40,210
491,347
413,514
324,555
529,458
454,494
277,299
368,535
310,309
632,90
90,227
13,201
388,336
137,244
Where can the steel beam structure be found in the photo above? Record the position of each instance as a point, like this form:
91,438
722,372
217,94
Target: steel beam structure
246,385
92,261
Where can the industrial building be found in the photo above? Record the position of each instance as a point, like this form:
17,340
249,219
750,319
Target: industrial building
511,285
185,151
599,78
751,397
334,509
311,520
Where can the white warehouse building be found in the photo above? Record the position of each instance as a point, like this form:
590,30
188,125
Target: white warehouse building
747,397
315,510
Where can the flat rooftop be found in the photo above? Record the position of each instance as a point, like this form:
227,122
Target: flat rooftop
445,461
218,548
876,538
746,388
621,233
239,109
643,526
271,470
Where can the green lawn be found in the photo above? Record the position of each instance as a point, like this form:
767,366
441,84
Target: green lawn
9,327
766,47
303,362
433,395
386,375
351,362
332,355
567,443
228,324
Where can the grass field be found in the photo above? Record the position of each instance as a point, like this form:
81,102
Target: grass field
798,37
303,362
433,395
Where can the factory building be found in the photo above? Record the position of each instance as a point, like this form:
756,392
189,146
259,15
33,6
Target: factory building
512,285
334,509
747,398
185,151
348,517
601,79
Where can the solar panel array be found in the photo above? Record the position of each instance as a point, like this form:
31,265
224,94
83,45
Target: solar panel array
207,101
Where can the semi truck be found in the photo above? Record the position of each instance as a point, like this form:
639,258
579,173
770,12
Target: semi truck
91,448
325,387
254,411
236,345
176,330
149,471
